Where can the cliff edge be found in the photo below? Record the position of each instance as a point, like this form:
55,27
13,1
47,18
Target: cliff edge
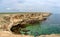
14,22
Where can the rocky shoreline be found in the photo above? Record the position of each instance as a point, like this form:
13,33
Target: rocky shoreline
11,21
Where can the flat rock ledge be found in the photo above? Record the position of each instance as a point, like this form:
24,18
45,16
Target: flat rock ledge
20,20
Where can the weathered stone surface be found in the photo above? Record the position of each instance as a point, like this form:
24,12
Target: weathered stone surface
10,20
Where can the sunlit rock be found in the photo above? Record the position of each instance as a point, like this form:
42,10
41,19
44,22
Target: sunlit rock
18,21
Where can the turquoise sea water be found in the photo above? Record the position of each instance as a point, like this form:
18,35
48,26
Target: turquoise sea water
50,26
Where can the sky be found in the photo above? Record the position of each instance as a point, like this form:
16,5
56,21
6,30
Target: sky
52,6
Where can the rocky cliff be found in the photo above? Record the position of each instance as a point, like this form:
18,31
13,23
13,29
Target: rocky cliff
13,22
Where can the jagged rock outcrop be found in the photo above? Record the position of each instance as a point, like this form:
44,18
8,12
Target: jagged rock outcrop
11,21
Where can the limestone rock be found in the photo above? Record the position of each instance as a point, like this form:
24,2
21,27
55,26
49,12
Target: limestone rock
10,20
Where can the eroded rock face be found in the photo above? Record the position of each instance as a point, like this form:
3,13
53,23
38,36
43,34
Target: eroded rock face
12,22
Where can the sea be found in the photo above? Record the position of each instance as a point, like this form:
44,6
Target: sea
47,27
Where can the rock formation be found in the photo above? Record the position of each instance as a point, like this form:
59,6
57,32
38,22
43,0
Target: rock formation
13,22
